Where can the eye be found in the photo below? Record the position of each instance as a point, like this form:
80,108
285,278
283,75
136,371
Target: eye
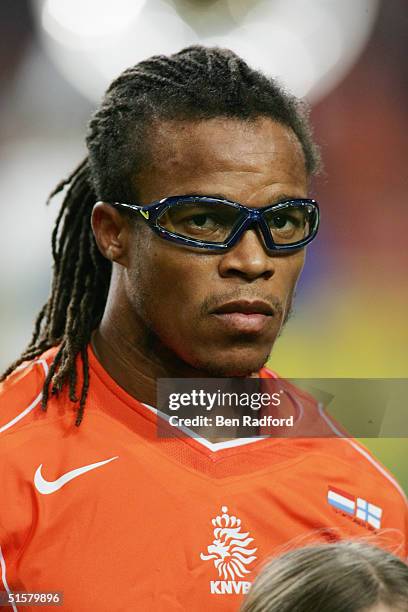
284,221
202,220
279,221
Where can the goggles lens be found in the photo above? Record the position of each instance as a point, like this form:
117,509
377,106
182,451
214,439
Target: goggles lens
289,224
209,222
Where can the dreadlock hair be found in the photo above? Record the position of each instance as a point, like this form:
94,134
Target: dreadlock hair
195,84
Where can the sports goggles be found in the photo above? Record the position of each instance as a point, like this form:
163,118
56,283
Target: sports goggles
206,222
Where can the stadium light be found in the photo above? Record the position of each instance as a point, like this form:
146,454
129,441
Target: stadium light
309,46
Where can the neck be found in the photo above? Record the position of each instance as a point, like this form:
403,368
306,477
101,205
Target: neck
135,359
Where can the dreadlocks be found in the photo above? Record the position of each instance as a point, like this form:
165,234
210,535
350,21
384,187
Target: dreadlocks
79,288
197,83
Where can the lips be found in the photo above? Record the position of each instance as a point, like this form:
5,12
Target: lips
246,307
244,316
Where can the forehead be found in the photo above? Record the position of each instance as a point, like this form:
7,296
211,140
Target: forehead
221,155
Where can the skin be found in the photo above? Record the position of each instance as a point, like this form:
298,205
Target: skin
158,320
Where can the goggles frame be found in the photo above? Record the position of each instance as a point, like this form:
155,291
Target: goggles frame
253,216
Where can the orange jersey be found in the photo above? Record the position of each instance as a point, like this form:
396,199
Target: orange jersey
118,518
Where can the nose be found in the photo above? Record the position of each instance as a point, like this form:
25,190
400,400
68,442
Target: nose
248,259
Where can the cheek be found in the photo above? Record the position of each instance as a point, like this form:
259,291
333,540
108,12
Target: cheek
297,265
290,271
167,282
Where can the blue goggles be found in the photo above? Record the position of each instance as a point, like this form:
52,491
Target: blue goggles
206,222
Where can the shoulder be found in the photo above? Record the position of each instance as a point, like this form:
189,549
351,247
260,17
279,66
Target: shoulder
347,456
369,468
21,391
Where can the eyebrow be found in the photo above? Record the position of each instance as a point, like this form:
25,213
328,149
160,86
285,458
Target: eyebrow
219,196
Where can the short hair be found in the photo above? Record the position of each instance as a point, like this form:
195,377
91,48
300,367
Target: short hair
196,84
348,576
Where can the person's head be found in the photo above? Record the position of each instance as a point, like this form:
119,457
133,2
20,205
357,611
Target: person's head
198,122
342,577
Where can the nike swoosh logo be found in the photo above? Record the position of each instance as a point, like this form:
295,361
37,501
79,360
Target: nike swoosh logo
50,486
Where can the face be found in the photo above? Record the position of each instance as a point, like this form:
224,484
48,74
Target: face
217,312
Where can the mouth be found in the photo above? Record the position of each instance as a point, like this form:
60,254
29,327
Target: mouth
245,316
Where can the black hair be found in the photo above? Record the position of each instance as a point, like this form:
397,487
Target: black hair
197,83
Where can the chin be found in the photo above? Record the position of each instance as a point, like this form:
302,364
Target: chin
230,366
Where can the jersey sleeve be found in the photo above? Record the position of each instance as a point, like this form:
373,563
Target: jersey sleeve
20,394
20,399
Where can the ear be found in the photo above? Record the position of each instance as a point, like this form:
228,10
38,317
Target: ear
111,231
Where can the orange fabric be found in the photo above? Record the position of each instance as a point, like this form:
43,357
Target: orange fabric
140,532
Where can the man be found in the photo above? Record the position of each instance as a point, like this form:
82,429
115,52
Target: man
97,505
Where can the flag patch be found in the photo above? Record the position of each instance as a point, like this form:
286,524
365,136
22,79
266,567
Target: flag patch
369,513
355,507
341,500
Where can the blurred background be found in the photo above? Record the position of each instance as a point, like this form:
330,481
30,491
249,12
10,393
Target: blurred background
347,58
